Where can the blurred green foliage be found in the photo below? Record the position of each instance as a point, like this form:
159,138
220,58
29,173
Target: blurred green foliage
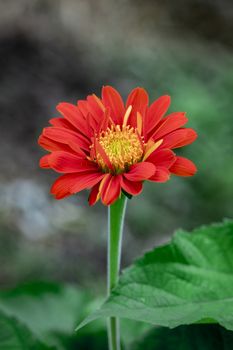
201,337
185,282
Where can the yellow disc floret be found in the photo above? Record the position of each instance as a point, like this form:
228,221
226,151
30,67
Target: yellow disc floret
122,146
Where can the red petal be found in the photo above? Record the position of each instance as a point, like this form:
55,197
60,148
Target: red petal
91,123
68,184
66,136
179,138
82,107
112,99
44,162
61,123
65,162
132,187
50,145
61,187
172,122
163,157
91,106
111,189
156,112
94,108
161,175
138,99
183,167
140,171
74,117
90,120
105,121
93,196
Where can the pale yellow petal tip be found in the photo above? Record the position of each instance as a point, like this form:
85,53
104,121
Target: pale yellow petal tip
126,116
152,149
98,100
139,123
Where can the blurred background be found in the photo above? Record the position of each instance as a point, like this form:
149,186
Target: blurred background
53,51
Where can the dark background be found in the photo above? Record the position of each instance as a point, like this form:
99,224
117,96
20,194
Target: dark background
53,51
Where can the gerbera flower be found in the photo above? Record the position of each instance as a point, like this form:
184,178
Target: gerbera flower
110,147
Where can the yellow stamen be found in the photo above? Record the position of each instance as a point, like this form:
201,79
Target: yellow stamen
122,147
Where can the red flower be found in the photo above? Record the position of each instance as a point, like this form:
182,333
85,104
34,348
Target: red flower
108,146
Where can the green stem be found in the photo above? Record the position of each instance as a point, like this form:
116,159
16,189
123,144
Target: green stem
116,214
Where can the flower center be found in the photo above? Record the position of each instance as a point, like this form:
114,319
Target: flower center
122,146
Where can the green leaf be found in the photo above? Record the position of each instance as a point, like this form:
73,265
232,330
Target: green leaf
15,336
45,308
187,281
201,337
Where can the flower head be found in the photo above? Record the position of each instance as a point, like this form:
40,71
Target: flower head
107,146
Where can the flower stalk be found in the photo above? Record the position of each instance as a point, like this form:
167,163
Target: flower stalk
116,214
